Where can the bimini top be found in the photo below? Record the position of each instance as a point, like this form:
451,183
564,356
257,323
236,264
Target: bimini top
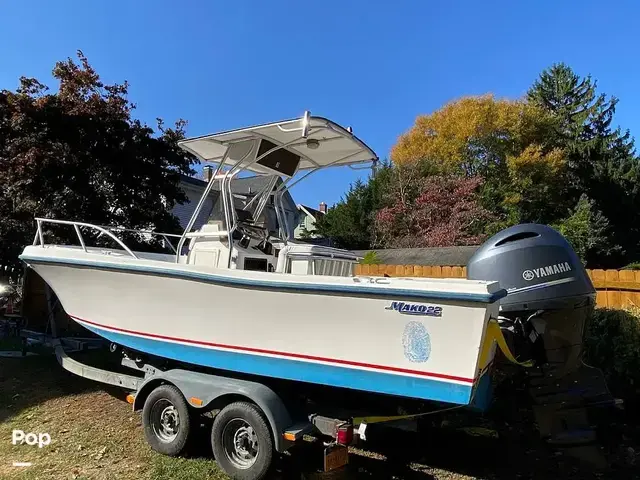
283,147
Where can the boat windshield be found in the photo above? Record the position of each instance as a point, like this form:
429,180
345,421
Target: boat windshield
246,206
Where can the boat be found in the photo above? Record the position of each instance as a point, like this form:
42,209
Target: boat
234,297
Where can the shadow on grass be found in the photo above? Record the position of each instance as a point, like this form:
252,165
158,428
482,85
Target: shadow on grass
29,381
304,461
437,452
441,450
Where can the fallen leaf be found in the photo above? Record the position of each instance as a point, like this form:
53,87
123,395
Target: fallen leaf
100,454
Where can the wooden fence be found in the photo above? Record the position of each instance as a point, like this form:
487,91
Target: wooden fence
616,288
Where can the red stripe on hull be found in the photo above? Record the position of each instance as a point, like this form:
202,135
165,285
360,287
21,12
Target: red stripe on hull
298,356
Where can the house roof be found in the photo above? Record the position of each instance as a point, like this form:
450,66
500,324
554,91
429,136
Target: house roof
434,256
312,212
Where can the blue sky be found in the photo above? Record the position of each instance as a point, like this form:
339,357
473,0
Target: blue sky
374,65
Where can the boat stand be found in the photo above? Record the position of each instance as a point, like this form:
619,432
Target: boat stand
51,336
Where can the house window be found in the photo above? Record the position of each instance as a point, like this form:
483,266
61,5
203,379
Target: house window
302,221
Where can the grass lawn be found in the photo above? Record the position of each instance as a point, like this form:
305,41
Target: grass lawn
95,435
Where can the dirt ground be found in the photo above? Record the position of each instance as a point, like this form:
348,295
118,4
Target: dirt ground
95,435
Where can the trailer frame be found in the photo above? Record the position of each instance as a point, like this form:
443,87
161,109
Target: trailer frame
209,392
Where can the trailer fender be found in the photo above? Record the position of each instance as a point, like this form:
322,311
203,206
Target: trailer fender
202,391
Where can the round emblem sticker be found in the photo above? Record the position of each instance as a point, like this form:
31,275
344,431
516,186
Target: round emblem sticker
416,342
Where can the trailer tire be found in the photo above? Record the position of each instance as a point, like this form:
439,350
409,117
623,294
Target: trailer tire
242,442
165,417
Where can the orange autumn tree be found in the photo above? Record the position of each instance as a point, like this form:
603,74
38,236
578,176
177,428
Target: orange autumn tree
507,143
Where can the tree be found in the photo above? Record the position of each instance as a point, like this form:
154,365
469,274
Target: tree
586,229
350,222
472,135
434,211
306,234
534,187
78,154
601,161
371,258
581,114
507,143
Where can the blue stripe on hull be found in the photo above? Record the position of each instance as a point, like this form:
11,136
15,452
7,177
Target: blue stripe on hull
366,380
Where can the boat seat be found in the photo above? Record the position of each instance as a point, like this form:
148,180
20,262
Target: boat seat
315,259
213,229
207,233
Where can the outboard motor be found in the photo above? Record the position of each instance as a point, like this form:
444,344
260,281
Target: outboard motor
549,298
544,318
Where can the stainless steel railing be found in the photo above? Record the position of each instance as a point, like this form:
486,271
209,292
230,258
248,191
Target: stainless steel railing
108,231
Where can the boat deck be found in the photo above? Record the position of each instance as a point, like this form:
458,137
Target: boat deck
164,264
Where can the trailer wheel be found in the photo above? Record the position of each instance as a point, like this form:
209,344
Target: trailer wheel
165,417
242,441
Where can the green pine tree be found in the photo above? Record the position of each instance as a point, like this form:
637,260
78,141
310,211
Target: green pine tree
601,159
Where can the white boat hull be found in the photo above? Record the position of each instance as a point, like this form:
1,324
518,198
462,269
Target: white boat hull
342,332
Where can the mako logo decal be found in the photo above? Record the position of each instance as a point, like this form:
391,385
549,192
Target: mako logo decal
415,309
547,271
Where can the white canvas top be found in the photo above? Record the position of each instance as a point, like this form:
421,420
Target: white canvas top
334,145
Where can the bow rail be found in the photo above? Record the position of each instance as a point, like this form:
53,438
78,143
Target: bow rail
105,230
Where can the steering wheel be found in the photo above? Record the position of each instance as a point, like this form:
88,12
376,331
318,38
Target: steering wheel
251,231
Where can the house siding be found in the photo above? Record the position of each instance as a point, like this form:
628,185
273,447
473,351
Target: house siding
309,224
184,211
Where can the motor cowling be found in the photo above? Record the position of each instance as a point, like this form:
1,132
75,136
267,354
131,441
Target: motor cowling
549,293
